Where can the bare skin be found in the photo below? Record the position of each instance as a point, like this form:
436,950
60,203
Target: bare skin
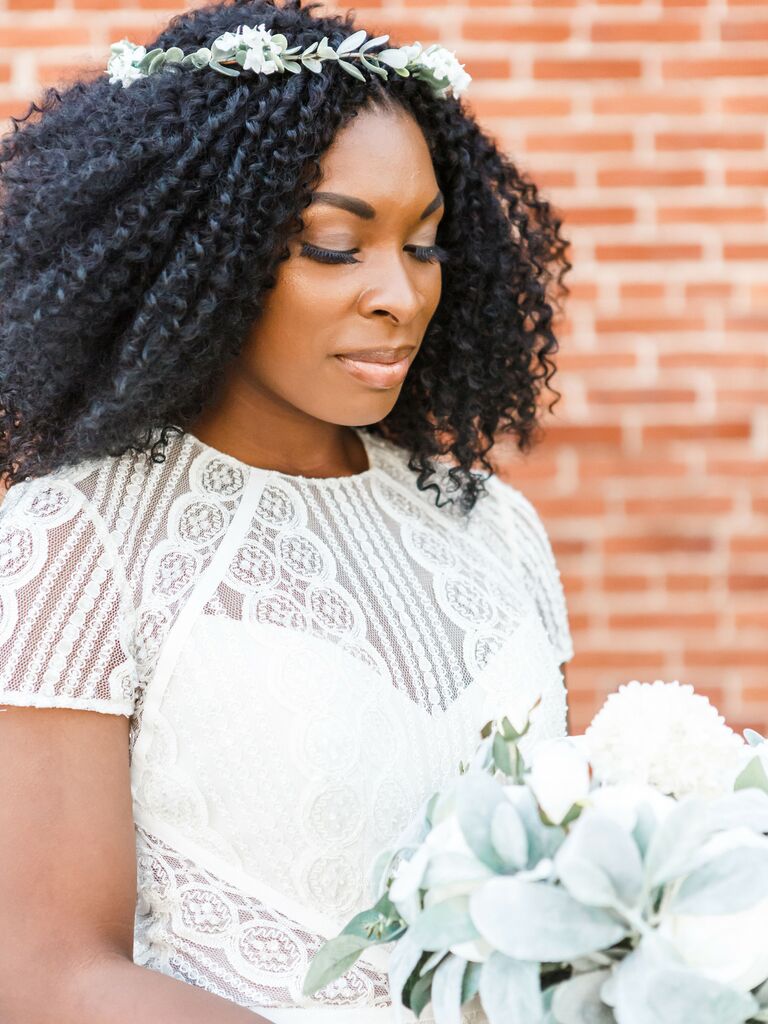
288,402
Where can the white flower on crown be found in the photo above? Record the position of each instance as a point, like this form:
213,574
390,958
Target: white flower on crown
441,62
262,50
120,64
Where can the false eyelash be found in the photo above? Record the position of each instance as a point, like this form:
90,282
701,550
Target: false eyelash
423,253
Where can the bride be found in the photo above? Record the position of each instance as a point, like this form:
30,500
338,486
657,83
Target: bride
260,585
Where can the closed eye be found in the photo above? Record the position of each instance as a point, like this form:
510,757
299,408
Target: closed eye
423,253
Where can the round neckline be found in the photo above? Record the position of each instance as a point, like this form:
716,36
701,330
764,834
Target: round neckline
366,439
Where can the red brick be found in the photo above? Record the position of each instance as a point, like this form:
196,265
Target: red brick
748,31
539,106
664,621
586,67
584,434
745,104
750,176
635,468
661,31
648,324
642,291
670,141
661,543
639,396
745,250
711,214
61,35
682,582
697,431
616,583
693,505
599,215
649,177
713,67
517,32
648,251
637,104
580,142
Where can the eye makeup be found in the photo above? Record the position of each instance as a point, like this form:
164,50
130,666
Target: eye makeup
423,253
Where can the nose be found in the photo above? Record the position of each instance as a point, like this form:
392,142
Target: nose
393,288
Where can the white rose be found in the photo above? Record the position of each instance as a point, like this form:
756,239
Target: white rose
621,802
729,948
558,777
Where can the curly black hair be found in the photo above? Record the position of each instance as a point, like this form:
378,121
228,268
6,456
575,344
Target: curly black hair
141,227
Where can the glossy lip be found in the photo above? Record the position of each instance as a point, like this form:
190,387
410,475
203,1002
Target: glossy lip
385,372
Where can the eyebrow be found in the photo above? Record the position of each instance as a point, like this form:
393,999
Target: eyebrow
363,209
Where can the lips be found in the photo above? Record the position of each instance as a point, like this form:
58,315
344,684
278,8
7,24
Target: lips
381,368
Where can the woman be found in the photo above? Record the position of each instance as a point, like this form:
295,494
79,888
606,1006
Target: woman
233,671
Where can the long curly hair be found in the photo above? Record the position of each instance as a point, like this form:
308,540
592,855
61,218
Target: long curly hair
141,227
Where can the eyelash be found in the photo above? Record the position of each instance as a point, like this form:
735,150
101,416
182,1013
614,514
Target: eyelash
423,253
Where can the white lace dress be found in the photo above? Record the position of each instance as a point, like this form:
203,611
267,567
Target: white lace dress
304,661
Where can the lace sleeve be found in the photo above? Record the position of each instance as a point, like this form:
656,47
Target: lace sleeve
539,568
66,617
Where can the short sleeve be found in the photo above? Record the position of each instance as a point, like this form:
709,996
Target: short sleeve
539,568
66,616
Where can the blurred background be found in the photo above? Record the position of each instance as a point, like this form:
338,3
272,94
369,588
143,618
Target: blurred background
644,124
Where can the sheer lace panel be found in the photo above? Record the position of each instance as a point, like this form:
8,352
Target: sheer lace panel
66,616
193,925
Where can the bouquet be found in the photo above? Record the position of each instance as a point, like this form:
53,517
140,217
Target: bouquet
621,876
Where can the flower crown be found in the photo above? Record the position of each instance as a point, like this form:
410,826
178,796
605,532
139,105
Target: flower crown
256,49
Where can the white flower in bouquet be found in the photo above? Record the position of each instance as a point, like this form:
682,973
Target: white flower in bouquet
559,776
622,802
663,735
729,948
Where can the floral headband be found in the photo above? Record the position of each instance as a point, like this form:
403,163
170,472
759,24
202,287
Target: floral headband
256,49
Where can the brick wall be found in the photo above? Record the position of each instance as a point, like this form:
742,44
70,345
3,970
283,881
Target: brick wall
644,121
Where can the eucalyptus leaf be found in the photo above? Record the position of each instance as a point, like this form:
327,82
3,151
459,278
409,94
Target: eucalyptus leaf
599,863
376,41
577,1000
501,754
753,737
232,72
393,58
352,42
734,880
373,67
156,63
351,69
331,961
446,990
753,775
541,922
310,49
444,924
174,54
313,65
510,990
148,57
